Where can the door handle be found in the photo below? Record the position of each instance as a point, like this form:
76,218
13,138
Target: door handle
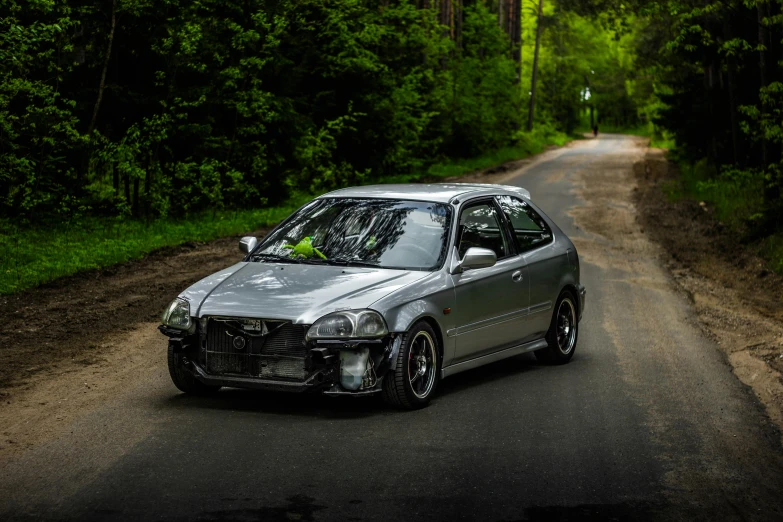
517,276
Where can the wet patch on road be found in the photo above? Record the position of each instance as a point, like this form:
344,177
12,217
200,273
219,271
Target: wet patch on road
592,513
299,508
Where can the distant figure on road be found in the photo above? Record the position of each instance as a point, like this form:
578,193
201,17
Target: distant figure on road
595,130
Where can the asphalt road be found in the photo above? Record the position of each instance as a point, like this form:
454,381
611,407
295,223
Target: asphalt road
647,422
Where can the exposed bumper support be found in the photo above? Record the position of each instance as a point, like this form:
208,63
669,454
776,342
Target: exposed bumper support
336,391
582,294
318,380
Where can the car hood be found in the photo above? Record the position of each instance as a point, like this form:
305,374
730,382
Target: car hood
298,292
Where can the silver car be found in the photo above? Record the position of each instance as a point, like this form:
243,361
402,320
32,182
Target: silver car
382,289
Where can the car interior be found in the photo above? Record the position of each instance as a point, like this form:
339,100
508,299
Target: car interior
479,227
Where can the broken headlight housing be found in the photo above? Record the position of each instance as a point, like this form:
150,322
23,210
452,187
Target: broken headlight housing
352,324
177,315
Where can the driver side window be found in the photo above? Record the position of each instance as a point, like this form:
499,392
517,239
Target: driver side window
479,226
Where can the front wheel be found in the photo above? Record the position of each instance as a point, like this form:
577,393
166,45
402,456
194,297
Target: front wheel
412,382
563,332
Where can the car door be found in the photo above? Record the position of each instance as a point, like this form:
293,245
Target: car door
490,302
535,242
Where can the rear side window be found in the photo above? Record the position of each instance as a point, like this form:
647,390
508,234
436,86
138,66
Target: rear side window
530,230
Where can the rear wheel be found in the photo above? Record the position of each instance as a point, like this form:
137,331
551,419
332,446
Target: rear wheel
563,332
413,381
183,379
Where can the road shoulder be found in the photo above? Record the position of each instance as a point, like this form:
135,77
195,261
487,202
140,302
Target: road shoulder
737,299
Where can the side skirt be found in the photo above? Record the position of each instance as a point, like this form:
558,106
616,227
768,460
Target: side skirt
492,357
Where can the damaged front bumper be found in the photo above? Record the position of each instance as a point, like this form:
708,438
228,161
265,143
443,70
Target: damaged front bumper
353,367
320,380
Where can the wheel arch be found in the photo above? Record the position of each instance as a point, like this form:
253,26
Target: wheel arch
570,287
436,328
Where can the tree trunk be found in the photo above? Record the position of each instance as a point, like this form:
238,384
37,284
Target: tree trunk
733,110
762,43
772,189
731,68
516,38
102,84
535,70
147,183
128,200
460,21
509,16
451,20
136,206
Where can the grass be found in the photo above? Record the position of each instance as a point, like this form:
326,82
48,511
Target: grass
773,251
735,197
30,257
34,256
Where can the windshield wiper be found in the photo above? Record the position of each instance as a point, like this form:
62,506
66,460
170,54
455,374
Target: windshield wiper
350,262
275,257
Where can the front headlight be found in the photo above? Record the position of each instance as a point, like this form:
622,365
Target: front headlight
354,324
177,314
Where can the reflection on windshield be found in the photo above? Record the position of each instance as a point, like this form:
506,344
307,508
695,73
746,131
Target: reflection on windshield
372,232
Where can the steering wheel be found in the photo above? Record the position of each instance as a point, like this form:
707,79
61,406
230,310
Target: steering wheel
421,250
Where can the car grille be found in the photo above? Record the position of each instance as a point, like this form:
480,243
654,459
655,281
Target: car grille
280,354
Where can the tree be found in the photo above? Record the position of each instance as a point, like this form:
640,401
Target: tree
535,67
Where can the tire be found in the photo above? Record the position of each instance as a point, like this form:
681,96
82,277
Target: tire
183,379
419,350
563,331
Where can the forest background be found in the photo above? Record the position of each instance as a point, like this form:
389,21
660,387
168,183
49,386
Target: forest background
128,125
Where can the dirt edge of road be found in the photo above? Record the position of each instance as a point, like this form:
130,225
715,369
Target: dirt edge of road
736,297
73,344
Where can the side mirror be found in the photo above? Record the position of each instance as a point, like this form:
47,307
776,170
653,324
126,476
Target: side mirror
479,258
474,258
247,244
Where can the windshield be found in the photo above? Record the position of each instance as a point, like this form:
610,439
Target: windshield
375,232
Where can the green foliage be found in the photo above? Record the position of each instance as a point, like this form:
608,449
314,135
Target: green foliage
716,71
156,112
735,195
524,144
150,109
485,111
773,250
33,256
38,125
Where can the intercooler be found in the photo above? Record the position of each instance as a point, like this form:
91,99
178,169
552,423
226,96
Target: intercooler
255,348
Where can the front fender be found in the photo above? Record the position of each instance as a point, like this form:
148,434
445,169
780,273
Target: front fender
433,300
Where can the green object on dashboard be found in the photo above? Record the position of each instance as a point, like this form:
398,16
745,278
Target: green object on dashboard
304,249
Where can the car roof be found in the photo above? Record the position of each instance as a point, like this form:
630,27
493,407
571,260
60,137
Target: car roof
437,192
